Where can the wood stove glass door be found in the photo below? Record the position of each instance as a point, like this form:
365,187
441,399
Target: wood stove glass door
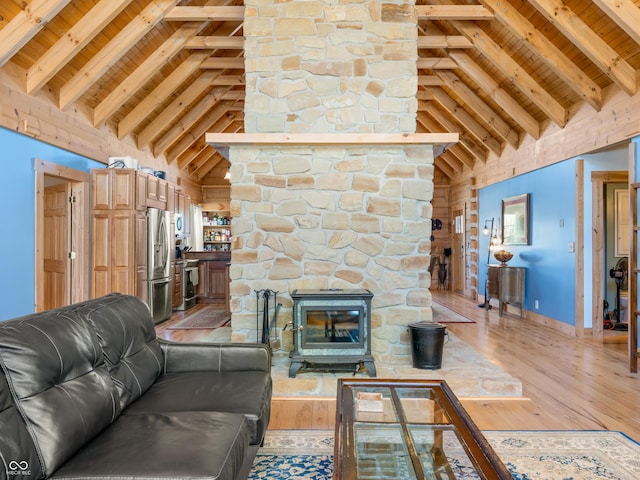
332,328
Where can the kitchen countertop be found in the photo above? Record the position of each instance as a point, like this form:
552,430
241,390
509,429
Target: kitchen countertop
208,256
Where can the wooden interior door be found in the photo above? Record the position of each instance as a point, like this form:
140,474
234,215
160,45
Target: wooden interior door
57,228
459,252
76,185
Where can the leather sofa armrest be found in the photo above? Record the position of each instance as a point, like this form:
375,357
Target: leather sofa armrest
215,357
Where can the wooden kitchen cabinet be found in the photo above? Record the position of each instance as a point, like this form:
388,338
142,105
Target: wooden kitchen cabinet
213,286
217,282
119,201
177,285
113,253
130,189
156,192
113,189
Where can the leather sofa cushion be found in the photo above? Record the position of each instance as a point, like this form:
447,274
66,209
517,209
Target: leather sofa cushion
248,393
128,340
18,456
212,357
184,445
55,370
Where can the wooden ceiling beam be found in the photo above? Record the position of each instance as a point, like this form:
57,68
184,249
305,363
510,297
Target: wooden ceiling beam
436,63
206,167
113,51
461,154
235,95
219,124
169,48
451,160
159,94
544,49
207,156
206,14
186,123
458,150
216,42
217,118
443,41
229,80
201,158
190,118
234,127
450,126
625,13
26,24
223,63
516,74
589,42
465,120
489,85
422,94
481,109
176,108
453,12
73,40
444,168
429,81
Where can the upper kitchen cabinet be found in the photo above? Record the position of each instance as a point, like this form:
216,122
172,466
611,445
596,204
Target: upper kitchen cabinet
156,192
131,189
113,189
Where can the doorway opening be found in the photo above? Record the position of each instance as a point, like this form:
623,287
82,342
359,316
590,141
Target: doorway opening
61,235
606,249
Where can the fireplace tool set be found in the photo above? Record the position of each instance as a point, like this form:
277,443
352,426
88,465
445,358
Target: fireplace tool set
267,326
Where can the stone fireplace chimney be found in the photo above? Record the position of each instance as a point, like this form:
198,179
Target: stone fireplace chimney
330,187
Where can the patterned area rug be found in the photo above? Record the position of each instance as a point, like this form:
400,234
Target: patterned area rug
529,455
202,319
443,314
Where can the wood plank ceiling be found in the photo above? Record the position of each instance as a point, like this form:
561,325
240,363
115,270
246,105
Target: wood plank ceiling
167,71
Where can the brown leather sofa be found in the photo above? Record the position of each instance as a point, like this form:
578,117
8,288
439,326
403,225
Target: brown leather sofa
89,392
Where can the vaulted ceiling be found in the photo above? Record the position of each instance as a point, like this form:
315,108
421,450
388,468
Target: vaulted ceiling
165,72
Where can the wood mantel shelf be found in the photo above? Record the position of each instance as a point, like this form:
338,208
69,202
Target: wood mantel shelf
222,141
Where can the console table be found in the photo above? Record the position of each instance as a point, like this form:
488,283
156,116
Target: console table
407,429
507,285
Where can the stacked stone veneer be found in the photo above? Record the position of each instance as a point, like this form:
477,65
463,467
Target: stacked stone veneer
327,217
330,66
336,216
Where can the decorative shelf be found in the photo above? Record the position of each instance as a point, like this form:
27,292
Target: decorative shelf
222,141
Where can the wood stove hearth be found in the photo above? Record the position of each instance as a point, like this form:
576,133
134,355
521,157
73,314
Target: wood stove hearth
331,330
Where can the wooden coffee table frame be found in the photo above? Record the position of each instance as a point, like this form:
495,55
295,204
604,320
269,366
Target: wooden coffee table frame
482,456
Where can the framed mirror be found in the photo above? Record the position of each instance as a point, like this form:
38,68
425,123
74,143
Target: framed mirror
515,220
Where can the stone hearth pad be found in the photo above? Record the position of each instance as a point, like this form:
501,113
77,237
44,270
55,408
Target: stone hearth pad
468,373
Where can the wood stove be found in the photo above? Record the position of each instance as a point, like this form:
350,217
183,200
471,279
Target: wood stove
331,329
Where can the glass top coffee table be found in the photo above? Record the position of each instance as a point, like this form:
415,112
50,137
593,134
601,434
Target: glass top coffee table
408,429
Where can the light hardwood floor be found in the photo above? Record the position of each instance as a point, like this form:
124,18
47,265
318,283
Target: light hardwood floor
568,383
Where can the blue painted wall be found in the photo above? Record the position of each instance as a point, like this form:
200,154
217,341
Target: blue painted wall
550,265
17,197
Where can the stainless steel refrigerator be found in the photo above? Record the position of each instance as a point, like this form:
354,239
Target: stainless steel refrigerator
159,248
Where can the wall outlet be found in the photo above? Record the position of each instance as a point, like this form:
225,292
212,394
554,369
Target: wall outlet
536,304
